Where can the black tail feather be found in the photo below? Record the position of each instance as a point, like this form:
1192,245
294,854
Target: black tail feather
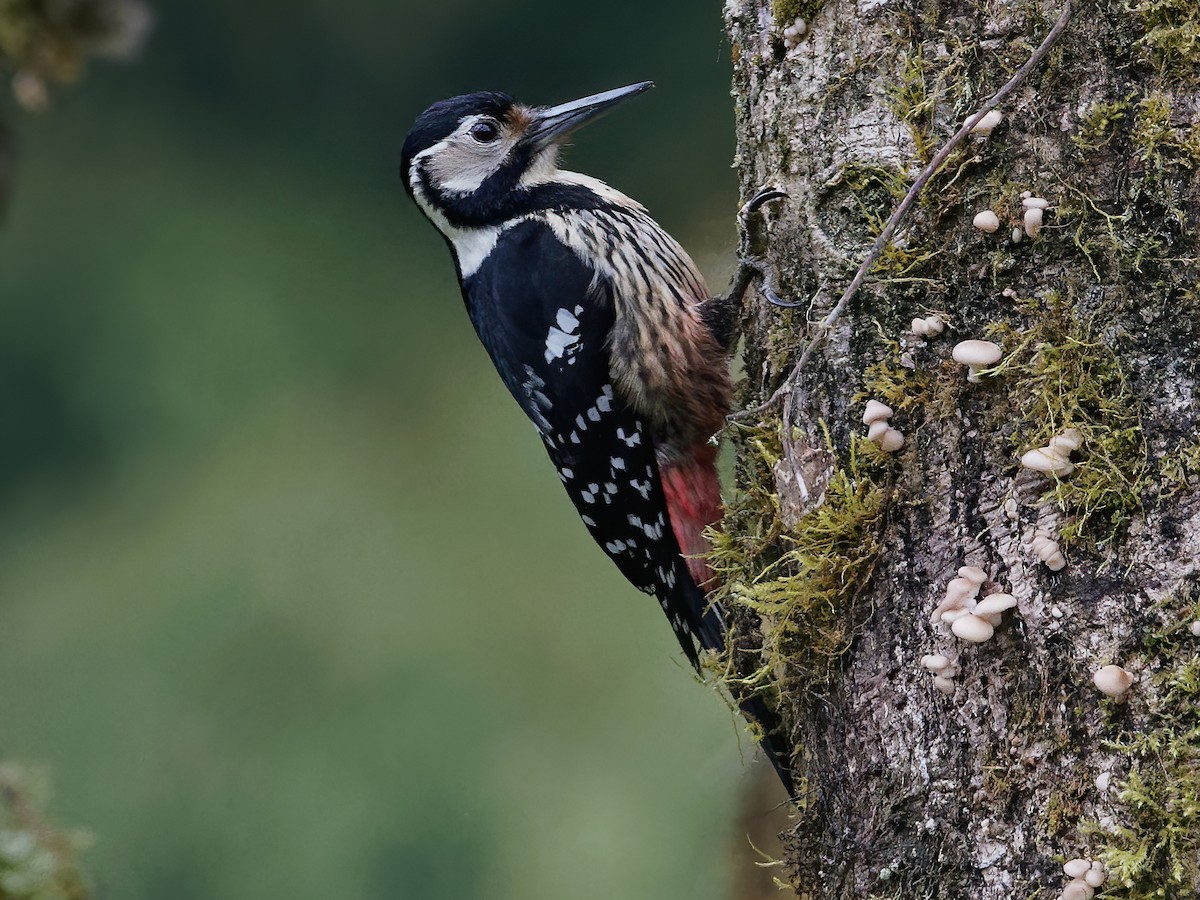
775,745
707,627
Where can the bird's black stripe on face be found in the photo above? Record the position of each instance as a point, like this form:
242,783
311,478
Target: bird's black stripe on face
501,198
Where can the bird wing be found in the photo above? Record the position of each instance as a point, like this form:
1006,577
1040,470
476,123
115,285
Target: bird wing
545,317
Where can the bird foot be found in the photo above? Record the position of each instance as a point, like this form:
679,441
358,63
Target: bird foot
721,312
750,265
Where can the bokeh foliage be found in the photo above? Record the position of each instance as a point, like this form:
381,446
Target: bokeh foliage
292,605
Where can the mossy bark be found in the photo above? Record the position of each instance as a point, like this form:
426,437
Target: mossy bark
983,794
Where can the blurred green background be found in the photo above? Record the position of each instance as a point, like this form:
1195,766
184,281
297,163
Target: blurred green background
291,602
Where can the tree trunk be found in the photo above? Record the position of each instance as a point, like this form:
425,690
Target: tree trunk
983,783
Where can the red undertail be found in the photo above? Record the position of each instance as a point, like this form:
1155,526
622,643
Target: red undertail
694,502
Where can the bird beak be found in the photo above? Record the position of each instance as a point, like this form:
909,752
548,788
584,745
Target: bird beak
555,123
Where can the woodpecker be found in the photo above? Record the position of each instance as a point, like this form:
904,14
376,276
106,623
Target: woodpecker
602,329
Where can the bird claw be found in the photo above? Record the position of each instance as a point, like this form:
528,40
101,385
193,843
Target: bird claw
775,300
761,198
767,275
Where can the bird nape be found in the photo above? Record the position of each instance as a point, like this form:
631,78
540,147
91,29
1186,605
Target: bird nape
597,321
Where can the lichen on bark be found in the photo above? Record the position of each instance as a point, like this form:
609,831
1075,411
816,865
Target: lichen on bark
909,792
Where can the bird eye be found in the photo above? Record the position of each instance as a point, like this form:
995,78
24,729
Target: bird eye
485,131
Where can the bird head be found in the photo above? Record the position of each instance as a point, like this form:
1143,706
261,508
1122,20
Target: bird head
474,160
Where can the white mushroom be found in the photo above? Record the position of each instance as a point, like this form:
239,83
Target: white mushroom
1077,890
891,441
928,327
1028,201
959,593
1194,628
994,604
1113,681
1096,875
986,221
960,590
976,355
1077,868
944,609
944,684
793,33
1033,221
1066,442
887,438
986,123
972,628
1047,463
935,662
1017,234
973,574
876,411
1047,550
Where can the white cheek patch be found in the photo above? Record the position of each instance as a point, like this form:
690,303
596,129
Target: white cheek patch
460,165
471,245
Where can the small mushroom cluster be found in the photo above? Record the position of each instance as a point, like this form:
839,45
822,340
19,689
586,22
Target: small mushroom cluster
930,326
976,355
970,619
793,33
879,432
943,670
1046,548
1113,681
1055,458
1034,210
984,125
1086,875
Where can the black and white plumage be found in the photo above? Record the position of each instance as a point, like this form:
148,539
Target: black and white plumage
593,317
555,360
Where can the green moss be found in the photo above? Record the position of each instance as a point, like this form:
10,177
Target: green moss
898,386
876,191
1063,808
927,91
1101,123
1063,375
914,103
1179,469
1153,852
788,11
1158,142
1172,35
801,581
38,861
